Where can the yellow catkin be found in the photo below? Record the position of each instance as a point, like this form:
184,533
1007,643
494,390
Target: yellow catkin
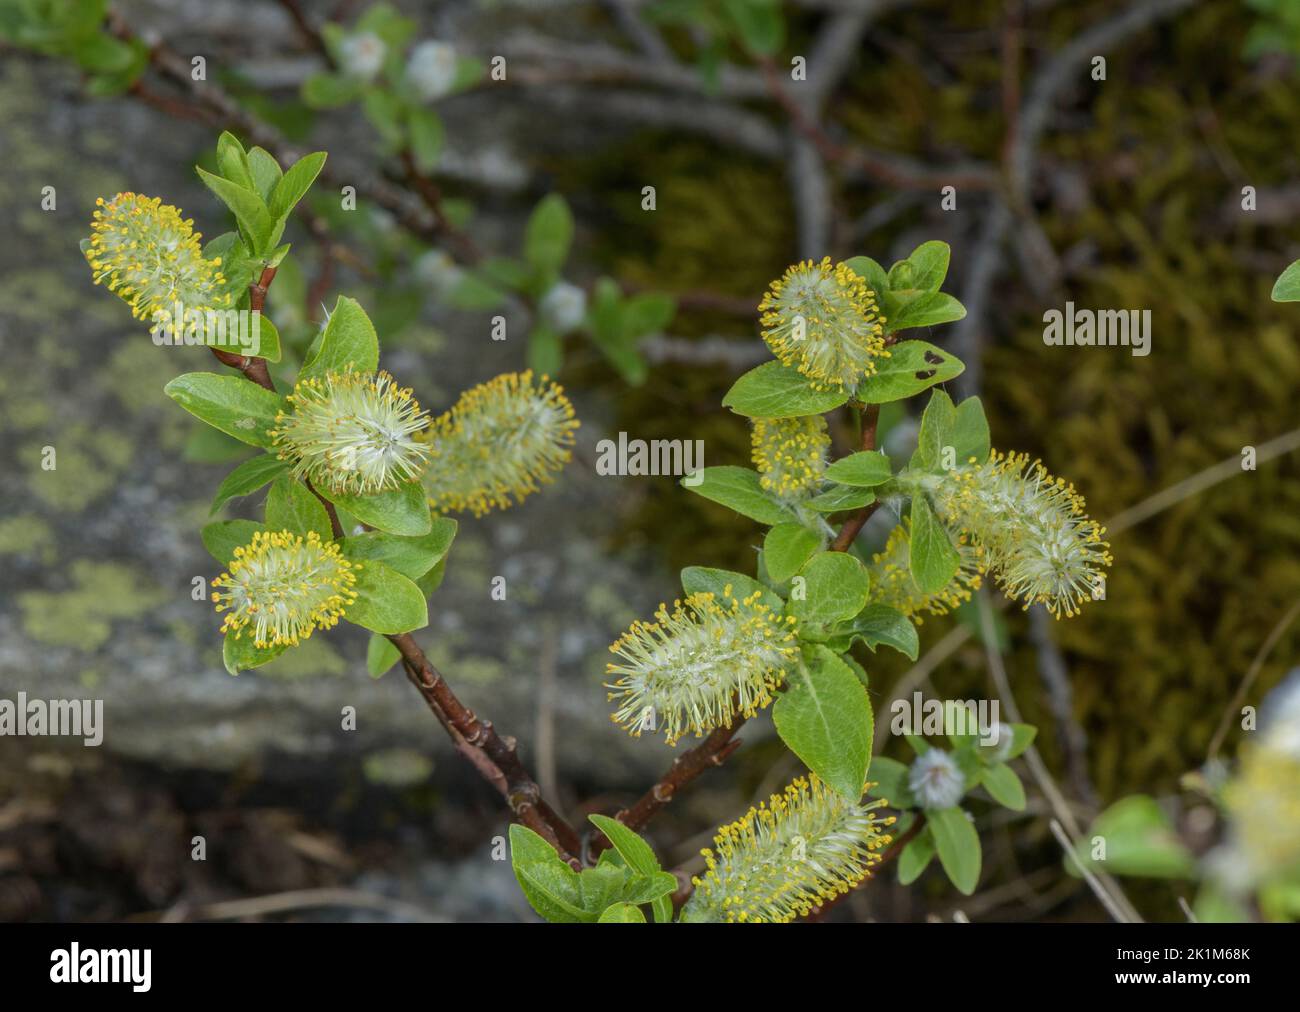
500,442
784,858
145,253
696,667
822,319
282,586
790,454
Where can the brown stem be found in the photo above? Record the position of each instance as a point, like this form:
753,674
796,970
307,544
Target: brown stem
253,368
519,789
855,523
713,751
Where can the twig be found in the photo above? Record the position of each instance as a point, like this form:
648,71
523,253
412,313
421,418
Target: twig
855,523
1257,665
998,672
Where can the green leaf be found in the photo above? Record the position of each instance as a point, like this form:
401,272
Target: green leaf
387,602
380,655
908,310
384,111
840,498
1139,840
295,183
224,536
825,719
638,854
933,557
432,580
889,783
265,171
912,366
786,548
879,623
915,857
229,403
248,207
545,350
349,340
1287,286
958,845
1022,736
835,588
621,913
759,23
663,910
649,888
970,432
929,265
601,886
738,488
864,469
248,477
330,91
647,313
773,390
872,273
1004,786
937,423
548,235
426,133
232,161
241,654
550,886
410,556
290,506
703,580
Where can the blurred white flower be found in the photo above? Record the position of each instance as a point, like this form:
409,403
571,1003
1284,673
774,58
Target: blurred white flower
431,69
935,780
439,272
564,307
362,55
997,748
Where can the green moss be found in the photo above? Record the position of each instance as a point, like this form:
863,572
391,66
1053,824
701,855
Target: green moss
87,462
27,534
82,616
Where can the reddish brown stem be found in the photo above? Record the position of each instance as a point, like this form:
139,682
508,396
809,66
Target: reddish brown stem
853,526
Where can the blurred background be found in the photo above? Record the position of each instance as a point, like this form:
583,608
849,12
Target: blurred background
1169,183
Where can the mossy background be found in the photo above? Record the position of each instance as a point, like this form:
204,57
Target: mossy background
1138,192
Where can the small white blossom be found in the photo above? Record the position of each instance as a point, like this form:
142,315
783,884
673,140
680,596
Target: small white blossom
431,69
362,55
997,743
564,307
439,271
935,780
